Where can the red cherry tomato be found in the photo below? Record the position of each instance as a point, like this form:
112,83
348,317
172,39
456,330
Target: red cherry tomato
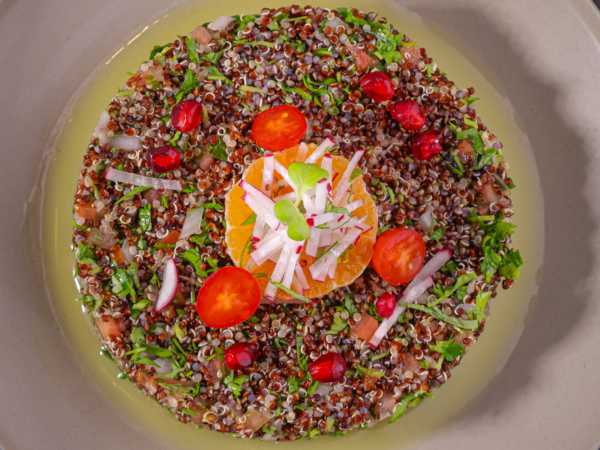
398,255
186,115
385,305
378,86
279,128
409,114
241,355
329,368
427,144
163,159
228,297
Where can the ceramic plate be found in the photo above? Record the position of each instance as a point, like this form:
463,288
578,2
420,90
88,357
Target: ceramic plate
531,381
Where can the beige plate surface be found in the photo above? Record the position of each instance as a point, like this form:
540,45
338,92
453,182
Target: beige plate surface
532,380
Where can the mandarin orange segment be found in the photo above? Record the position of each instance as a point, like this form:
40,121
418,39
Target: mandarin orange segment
237,236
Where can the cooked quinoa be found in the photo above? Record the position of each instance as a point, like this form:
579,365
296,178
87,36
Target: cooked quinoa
123,234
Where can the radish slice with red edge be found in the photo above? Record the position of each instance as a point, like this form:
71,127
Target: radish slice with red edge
301,153
321,196
138,180
269,168
344,183
301,277
354,205
327,164
320,151
102,128
313,242
168,288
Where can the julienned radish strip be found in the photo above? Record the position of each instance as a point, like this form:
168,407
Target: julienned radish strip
321,196
301,277
344,183
139,180
278,272
169,285
284,173
192,224
325,238
264,200
267,216
289,196
258,233
269,233
313,242
327,164
296,285
354,205
320,151
309,205
417,286
268,170
301,153
262,254
290,269
332,269
412,292
321,265
323,218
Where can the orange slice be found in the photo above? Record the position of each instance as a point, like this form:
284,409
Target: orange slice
238,236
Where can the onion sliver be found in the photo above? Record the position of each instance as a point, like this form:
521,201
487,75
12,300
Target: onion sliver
125,142
426,219
168,288
102,128
138,180
192,224
221,23
320,151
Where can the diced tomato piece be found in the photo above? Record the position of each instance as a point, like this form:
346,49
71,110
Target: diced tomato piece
279,127
385,405
365,327
170,238
89,212
465,150
228,297
362,57
201,35
101,239
398,255
118,255
411,364
411,54
109,326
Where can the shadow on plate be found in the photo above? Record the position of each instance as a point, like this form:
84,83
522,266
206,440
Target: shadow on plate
561,159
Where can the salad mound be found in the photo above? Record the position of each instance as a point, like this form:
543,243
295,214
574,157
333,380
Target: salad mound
242,222
291,224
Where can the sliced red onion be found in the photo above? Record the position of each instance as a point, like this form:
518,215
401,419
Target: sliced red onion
268,171
321,196
165,365
168,288
344,183
320,151
426,219
417,286
138,180
301,277
301,153
312,244
192,224
131,143
327,164
101,129
221,23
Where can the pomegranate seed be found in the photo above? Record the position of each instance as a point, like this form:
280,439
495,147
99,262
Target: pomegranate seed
241,355
186,115
378,86
329,368
163,159
427,144
385,305
409,114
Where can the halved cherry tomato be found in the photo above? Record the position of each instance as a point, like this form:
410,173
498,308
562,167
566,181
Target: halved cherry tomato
228,297
398,255
279,128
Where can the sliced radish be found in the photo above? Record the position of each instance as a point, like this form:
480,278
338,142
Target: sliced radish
280,168
266,215
264,200
426,219
268,171
332,268
323,218
102,128
289,196
309,205
321,196
138,180
313,242
301,153
290,269
278,272
278,184
320,151
169,285
296,286
221,23
325,238
344,183
301,277
270,233
125,142
263,253
321,266
259,230
412,292
327,164
192,224
354,205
